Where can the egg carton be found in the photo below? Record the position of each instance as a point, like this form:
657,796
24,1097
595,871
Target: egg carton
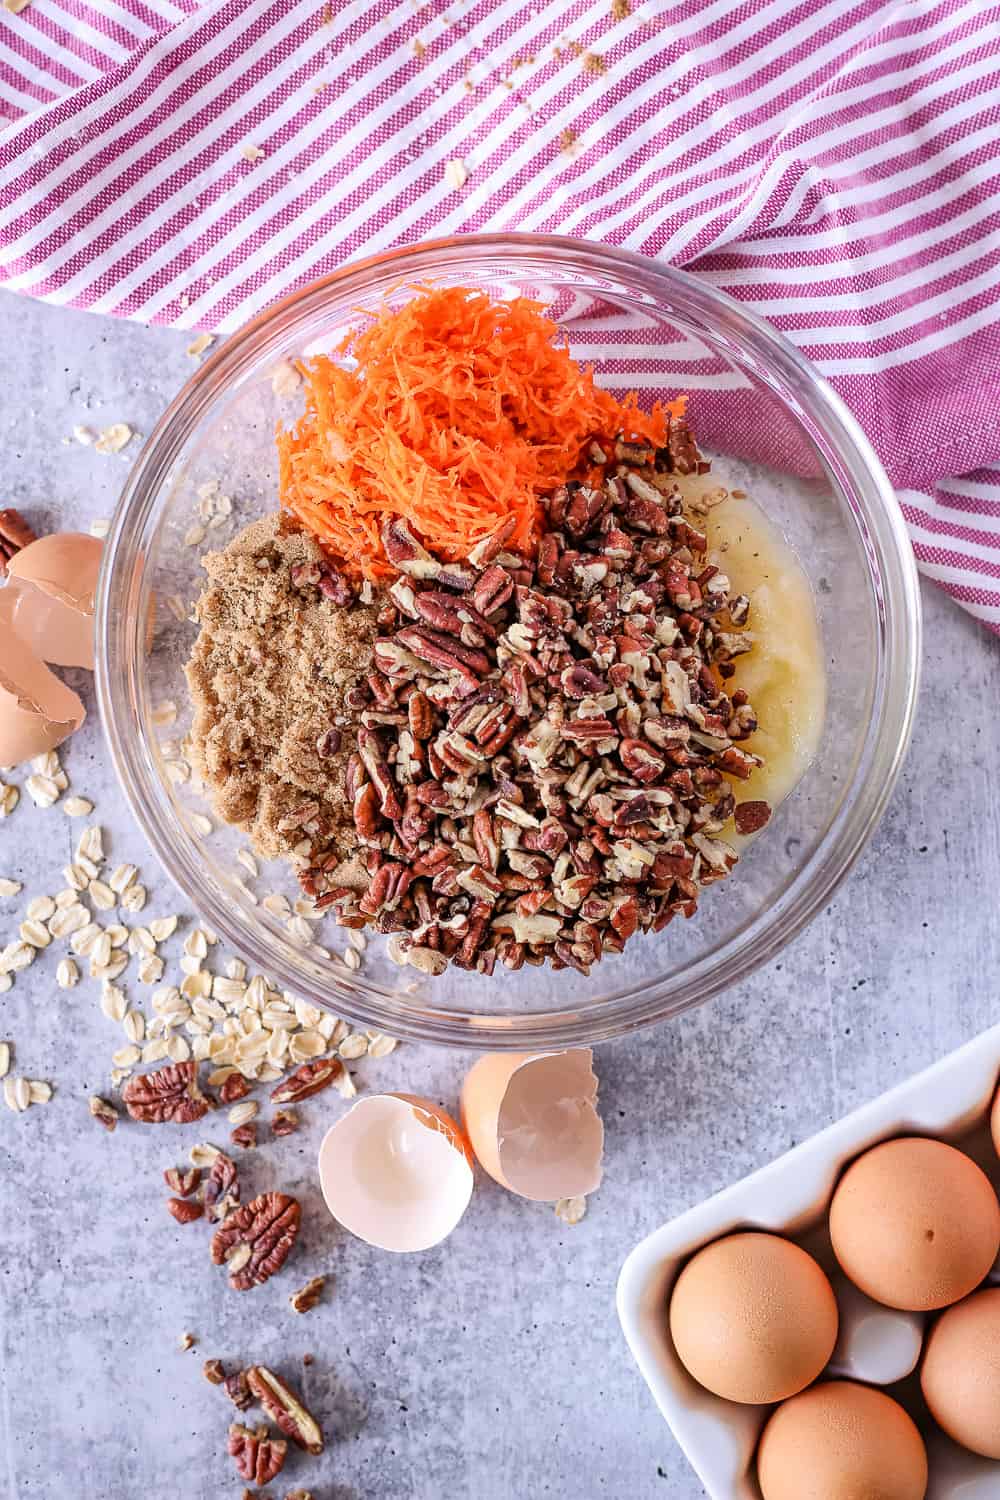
791,1196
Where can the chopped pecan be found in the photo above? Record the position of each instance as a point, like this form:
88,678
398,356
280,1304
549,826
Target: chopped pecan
306,1298
285,1122
104,1113
15,533
232,1088
182,1180
238,1391
222,1190
258,1458
751,817
171,1093
185,1210
245,1135
307,1080
256,1240
286,1409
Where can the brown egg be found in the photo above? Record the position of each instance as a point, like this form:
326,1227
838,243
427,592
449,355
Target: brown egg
841,1441
915,1224
960,1376
753,1318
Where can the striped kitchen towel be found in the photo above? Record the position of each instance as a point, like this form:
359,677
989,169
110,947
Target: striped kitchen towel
834,165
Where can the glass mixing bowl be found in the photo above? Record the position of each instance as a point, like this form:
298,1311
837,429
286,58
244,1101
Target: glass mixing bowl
785,436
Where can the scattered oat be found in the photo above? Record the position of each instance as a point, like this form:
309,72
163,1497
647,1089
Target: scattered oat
134,1026
4,1059
201,825
178,1049
194,536
67,974
203,1155
571,1210
99,527
16,956
35,933
162,928
134,899
113,1002
114,438
244,1112
9,887
352,958
5,983
40,909
251,153
354,1046
200,344
39,1092
285,379
455,174
90,844
78,807
164,714
126,1057
42,790
69,920
381,1046
186,1341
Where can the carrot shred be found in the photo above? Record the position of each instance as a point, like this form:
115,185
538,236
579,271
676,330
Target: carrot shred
455,413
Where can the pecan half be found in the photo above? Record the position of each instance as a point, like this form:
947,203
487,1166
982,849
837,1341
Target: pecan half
258,1458
245,1135
285,1122
182,1180
307,1080
171,1093
15,533
286,1409
306,1298
256,1240
185,1210
213,1371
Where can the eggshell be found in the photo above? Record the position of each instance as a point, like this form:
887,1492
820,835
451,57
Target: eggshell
841,1441
877,1344
533,1124
753,1318
995,1123
960,1375
396,1171
37,711
915,1223
50,603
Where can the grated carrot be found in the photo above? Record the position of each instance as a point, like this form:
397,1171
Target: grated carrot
457,413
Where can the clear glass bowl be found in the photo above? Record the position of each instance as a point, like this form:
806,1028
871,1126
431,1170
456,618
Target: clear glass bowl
752,396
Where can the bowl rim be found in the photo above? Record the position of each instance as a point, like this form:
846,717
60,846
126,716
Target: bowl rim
880,521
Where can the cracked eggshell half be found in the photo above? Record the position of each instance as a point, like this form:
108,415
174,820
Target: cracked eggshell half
52,584
396,1171
533,1122
37,711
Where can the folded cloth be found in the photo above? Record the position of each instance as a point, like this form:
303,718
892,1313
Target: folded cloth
836,166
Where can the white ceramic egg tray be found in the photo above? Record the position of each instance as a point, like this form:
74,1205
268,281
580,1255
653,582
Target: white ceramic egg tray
950,1100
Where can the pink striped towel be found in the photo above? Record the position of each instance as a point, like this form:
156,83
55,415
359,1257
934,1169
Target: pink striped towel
835,165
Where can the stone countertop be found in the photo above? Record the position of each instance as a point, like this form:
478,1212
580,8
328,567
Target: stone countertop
491,1367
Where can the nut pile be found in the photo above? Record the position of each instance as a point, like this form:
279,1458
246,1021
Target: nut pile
258,1455
545,747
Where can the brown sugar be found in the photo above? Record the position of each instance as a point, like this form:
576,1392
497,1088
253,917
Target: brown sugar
268,676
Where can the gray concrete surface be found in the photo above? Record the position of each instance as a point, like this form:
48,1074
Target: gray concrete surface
491,1368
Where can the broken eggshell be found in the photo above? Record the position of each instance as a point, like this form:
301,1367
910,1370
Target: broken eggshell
533,1123
397,1172
49,598
37,711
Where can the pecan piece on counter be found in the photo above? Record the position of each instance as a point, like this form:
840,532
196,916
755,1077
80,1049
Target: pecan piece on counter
306,1298
171,1093
104,1113
15,533
307,1080
245,1135
285,1122
239,1393
233,1088
222,1190
255,1240
182,1180
285,1409
184,1210
258,1457
213,1371
299,1495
